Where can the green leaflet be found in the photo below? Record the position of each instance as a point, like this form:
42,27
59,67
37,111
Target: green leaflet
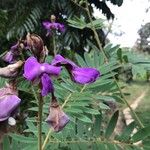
141,134
112,124
23,139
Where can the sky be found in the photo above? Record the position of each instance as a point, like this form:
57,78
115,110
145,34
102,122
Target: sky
128,20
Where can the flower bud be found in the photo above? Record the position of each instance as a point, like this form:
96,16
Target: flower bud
53,18
9,103
11,70
57,119
35,44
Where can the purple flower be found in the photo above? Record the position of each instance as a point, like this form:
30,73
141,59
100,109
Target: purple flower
57,119
8,103
11,55
82,75
34,70
49,26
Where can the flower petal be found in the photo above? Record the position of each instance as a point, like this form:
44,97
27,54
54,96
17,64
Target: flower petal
78,74
85,75
32,69
51,70
47,85
46,24
59,61
57,119
8,104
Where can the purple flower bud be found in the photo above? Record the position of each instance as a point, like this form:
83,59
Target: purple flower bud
11,70
9,57
57,119
8,102
82,75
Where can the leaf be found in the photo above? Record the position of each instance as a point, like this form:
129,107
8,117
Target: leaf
6,143
141,134
80,60
112,124
127,132
119,54
84,119
91,111
23,139
103,106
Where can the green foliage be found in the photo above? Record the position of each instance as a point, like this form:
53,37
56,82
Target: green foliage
80,23
85,105
27,24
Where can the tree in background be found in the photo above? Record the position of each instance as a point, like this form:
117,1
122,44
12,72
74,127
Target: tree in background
143,43
25,16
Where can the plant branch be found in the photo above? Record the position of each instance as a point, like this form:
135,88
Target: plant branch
40,109
107,60
54,45
39,121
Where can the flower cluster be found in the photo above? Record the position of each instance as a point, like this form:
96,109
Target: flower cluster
53,26
42,72
32,43
33,52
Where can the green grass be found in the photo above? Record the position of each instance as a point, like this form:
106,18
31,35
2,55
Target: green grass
143,110
136,89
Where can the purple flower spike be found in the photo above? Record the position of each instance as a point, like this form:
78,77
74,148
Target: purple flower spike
57,119
78,74
49,26
34,70
8,104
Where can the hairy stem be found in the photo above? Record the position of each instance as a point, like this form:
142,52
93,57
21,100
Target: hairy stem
39,121
54,45
107,60
40,109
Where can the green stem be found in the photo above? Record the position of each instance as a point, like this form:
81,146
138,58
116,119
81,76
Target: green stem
40,109
39,122
54,45
107,60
